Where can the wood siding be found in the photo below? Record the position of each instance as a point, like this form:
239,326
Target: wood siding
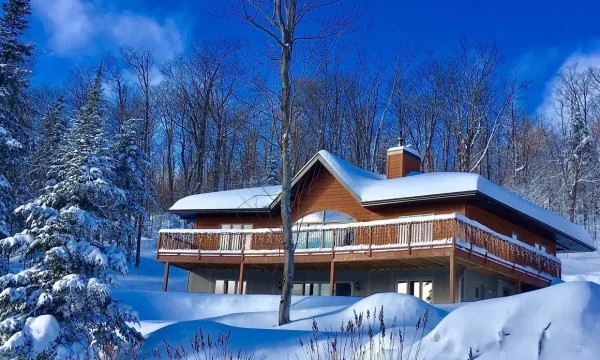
324,192
257,220
507,228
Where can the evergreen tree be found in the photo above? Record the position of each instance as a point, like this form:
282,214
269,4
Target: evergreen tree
15,57
273,176
53,138
133,174
66,288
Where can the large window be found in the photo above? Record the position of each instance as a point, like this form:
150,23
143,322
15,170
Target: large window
423,289
324,217
311,289
228,287
306,237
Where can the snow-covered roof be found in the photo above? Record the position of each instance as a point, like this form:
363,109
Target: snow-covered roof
241,199
371,189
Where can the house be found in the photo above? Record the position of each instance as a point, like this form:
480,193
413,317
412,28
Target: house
443,237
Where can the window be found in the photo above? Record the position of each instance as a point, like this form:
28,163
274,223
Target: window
234,241
228,287
402,287
297,289
311,289
423,289
415,288
480,291
541,247
307,239
506,292
324,217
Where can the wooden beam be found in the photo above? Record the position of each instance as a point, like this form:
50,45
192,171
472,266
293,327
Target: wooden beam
452,279
166,279
332,279
517,286
241,280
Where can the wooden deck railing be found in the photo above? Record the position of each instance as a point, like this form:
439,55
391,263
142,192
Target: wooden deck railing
405,233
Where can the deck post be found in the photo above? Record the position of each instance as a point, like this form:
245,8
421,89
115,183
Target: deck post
166,279
517,286
332,279
241,281
452,278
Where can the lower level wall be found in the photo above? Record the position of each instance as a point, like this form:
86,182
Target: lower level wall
470,285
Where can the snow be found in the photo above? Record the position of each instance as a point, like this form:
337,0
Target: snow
370,188
38,333
408,148
249,198
581,267
512,326
149,276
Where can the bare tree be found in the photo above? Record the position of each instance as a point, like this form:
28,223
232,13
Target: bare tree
279,20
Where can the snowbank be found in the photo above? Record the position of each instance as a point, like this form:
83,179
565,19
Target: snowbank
512,327
494,329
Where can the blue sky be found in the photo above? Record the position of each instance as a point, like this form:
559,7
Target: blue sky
538,36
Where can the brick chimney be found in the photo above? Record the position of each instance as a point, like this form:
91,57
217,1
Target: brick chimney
402,160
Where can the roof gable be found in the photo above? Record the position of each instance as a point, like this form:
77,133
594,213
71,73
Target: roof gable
371,189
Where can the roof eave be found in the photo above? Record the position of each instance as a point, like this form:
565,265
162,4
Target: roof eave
219,211
457,195
540,223
418,198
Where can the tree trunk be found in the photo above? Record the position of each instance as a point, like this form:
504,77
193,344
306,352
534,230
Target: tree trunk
139,242
286,208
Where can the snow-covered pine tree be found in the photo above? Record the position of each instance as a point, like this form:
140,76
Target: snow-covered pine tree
133,174
273,176
61,306
15,57
53,137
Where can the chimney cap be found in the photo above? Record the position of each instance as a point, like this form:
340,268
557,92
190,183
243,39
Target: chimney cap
406,148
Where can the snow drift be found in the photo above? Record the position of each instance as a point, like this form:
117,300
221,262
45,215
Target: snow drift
494,329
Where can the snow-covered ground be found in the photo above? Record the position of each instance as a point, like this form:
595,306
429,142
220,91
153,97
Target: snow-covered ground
150,274
494,329
577,267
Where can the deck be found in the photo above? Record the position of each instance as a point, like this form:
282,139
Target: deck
415,242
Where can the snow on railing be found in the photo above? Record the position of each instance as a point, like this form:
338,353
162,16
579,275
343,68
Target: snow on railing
410,232
404,232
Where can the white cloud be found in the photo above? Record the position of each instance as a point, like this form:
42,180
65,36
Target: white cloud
583,60
80,27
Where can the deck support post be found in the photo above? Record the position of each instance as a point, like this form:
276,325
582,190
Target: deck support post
241,281
517,286
332,279
452,278
166,279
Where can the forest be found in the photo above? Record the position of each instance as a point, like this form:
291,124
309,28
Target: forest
95,156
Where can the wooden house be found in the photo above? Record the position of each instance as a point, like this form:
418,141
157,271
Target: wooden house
443,237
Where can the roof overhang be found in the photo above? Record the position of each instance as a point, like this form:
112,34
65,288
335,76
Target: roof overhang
564,242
